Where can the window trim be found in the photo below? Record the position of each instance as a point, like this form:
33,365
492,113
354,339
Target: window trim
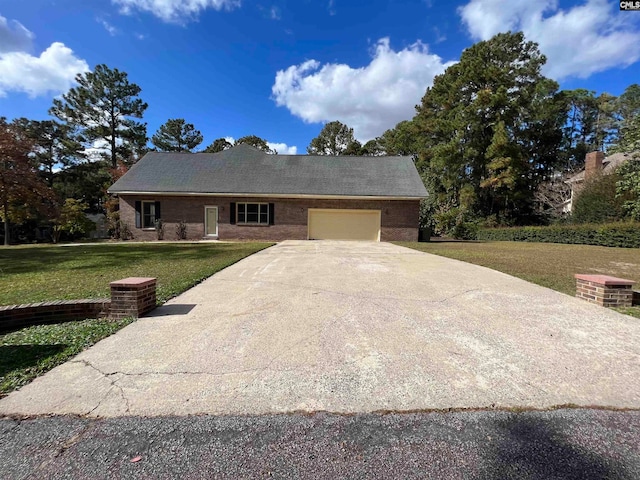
142,214
258,223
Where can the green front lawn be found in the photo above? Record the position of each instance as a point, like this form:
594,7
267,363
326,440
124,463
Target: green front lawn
30,352
551,265
38,273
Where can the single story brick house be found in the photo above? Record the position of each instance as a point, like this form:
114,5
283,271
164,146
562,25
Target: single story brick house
244,193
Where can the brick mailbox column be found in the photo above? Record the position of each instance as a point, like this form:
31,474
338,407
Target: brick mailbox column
604,290
132,297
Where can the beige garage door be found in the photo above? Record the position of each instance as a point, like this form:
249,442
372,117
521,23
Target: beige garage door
333,224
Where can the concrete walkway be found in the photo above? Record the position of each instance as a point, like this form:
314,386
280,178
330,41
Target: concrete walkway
350,327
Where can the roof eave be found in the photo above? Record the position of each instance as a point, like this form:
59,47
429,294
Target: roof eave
270,195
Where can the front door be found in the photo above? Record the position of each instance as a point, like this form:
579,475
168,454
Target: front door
211,221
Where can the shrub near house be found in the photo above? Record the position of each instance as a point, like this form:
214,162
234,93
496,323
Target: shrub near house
608,235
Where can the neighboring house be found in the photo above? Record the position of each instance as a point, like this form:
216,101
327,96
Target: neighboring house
595,164
100,221
243,193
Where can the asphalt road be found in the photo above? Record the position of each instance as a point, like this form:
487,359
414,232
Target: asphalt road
561,444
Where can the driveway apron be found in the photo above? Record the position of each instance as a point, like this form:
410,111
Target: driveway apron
350,327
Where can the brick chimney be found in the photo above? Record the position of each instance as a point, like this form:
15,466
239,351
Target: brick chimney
593,164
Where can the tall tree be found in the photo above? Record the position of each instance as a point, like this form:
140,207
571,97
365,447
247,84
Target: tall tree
580,129
176,135
606,122
104,106
628,113
491,128
218,145
256,142
372,148
22,190
628,186
354,148
334,139
403,139
54,145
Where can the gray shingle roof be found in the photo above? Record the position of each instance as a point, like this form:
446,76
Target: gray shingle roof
609,164
246,170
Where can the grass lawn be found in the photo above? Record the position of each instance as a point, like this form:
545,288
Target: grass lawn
30,352
551,265
38,273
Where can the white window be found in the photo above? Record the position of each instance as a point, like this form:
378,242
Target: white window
148,214
253,213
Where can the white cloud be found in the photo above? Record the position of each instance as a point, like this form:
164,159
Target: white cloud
578,42
177,11
98,150
14,37
274,13
440,37
108,27
283,148
331,7
53,71
370,99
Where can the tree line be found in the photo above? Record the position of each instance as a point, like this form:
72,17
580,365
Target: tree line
492,138
54,171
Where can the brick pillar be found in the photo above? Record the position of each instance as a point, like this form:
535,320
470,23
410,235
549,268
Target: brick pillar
132,297
604,290
593,165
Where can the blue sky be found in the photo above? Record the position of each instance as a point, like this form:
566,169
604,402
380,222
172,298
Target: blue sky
280,69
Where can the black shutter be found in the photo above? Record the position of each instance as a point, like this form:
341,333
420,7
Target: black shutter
138,214
271,209
158,216
232,213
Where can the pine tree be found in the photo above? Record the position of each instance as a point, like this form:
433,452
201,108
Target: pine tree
103,107
176,135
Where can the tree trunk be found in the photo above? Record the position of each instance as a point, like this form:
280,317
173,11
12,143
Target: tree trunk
6,224
114,128
50,165
114,158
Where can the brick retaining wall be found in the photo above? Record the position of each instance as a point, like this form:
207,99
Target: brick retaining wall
13,317
130,297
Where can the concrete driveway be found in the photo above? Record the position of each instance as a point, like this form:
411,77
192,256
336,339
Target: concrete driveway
350,327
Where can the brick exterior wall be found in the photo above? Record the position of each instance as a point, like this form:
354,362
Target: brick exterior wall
399,218
13,317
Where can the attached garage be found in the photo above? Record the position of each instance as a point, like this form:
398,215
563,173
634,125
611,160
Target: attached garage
339,224
243,193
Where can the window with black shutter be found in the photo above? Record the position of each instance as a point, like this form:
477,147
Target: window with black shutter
252,214
149,213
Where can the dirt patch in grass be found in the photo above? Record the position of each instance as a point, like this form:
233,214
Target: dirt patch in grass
551,265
